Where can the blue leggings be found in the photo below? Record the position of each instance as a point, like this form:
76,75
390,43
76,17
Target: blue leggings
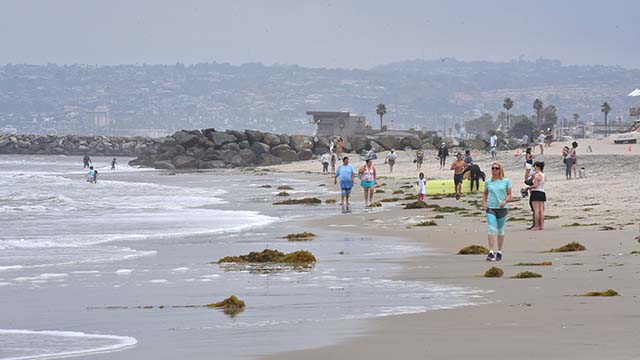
495,223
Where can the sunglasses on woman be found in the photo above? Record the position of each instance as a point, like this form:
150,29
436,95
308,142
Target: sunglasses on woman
495,168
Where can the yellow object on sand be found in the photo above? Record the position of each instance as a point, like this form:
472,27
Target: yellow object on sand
443,187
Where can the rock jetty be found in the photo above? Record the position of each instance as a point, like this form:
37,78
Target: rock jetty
202,149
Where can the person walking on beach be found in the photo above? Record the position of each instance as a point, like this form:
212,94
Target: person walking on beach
458,167
333,163
541,138
567,159
495,200
538,196
422,186
340,146
86,160
574,156
113,164
367,175
346,173
528,162
419,159
325,159
391,159
525,141
443,152
493,144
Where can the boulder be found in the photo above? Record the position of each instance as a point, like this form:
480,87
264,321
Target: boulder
241,136
284,138
388,142
220,139
346,146
231,146
289,155
428,146
187,138
410,142
375,146
212,154
214,164
207,132
254,135
268,160
247,156
165,165
305,154
259,148
237,160
271,140
299,142
279,148
359,143
244,144
185,162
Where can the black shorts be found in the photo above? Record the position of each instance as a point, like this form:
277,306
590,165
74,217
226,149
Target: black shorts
538,196
457,179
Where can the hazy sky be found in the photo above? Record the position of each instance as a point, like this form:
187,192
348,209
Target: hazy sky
352,34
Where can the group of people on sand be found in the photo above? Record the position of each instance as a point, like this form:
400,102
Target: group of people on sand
463,165
92,175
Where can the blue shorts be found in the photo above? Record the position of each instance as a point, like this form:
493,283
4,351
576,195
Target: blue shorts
493,149
345,186
496,218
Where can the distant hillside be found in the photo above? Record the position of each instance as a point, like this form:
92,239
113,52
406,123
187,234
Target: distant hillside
157,99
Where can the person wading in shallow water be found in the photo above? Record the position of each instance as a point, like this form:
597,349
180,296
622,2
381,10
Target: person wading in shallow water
367,175
346,173
458,167
495,200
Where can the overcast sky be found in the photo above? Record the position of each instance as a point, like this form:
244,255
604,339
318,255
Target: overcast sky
351,34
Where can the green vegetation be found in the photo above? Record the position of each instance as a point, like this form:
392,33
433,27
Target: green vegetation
473,250
526,275
416,205
494,272
427,223
544,263
396,192
302,201
572,246
300,236
609,292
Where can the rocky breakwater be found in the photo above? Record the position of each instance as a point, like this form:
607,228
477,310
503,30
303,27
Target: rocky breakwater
75,145
211,149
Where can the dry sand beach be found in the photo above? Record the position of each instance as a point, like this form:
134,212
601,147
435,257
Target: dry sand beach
526,318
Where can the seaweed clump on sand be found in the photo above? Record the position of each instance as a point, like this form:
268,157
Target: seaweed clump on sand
396,192
267,186
572,246
439,216
427,223
282,193
300,236
392,199
411,197
330,201
416,205
473,250
375,204
494,272
285,187
231,305
297,258
526,275
379,191
303,201
609,292
544,263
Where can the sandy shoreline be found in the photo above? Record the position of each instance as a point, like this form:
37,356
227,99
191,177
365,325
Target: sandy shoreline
528,318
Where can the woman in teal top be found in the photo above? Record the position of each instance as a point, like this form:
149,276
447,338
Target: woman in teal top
497,193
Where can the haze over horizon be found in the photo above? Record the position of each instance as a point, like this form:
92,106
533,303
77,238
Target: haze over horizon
354,34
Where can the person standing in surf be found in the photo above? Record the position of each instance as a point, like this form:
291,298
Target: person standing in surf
86,160
113,164
495,200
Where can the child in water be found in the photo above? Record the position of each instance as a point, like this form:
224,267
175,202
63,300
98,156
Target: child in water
92,176
422,186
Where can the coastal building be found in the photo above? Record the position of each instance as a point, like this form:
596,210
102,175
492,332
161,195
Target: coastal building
99,117
338,123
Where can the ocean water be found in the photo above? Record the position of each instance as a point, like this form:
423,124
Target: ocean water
80,261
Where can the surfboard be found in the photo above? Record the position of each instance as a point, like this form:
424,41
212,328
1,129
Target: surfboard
444,187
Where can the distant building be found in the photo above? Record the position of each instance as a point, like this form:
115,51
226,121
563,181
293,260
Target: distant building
333,123
100,117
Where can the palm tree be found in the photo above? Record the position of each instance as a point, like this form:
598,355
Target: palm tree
381,109
537,106
508,104
605,108
575,116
